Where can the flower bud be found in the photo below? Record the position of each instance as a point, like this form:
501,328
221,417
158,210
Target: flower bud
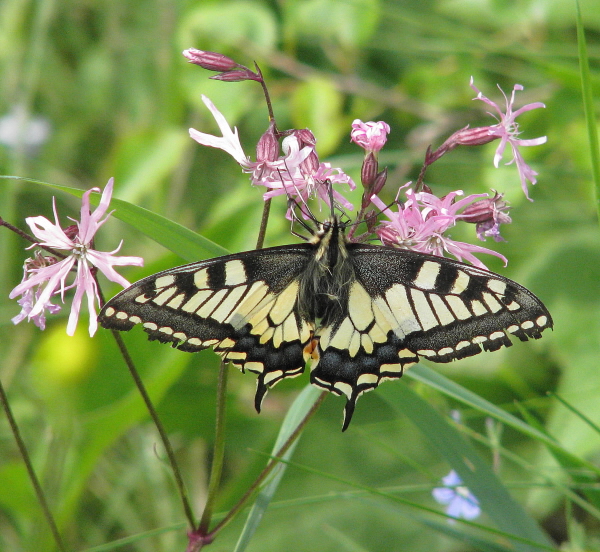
306,138
487,214
212,61
368,171
236,76
267,148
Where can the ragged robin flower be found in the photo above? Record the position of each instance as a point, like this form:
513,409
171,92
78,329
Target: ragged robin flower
48,276
297,174
421,223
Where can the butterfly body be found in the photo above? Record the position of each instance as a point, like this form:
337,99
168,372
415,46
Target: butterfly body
359,313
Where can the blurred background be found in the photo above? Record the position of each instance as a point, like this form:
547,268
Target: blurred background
91,90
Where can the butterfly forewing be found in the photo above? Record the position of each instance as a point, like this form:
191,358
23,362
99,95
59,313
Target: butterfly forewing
243,306
360,313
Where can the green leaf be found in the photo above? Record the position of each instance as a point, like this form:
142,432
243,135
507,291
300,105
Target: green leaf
493,497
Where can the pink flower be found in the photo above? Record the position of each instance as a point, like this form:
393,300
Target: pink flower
30,296
421,222
40,283
508,131
297,173
370,136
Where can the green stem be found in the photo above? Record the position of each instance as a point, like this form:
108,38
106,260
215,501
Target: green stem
263,224
218,453
255,487
201,536
189,514
30,471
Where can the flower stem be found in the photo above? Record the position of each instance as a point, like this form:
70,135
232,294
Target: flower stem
200,536
263,224
189,514
31,239
255,487
30,471
218,451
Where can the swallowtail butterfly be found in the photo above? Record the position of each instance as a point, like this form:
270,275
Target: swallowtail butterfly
361,314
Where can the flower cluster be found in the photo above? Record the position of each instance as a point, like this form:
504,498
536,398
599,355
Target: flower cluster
422,221
287,164
46,276
296,173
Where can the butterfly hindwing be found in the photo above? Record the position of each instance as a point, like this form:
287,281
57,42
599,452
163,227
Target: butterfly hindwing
403,305
243,306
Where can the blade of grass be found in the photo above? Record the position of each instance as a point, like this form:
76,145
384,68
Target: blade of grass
493,497
426,375
588,103
299,409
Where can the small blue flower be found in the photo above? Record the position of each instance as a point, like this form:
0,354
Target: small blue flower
460,501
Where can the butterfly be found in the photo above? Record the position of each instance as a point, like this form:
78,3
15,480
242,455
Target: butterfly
359,313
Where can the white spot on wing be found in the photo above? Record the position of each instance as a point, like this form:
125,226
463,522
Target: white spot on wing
284,303
344,388
175,303
343,335
542,321
367,379
235,273
201,279
497,286
458,307
196,300
164,281
273,376
228,304
461,282
478,308
493,304
442,311
427,275
164,296
207,309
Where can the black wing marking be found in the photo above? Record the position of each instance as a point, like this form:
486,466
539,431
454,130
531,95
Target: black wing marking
244,306
405,305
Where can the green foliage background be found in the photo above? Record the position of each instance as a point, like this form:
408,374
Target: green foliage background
110,79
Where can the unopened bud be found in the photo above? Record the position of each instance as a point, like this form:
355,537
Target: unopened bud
378,184
212,61
488,214
380,181
371,220
464,137
237,76
305,137
267,148
71,231
368,171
